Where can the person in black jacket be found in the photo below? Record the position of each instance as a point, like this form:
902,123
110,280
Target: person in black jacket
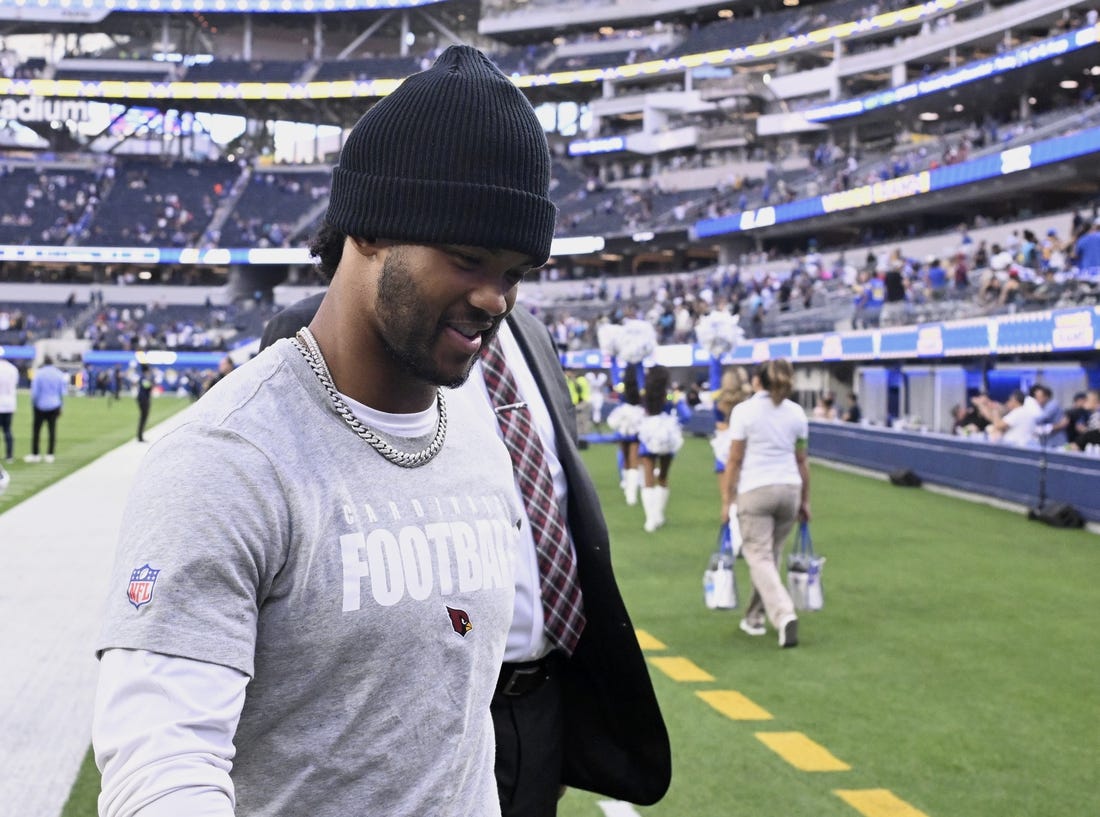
144,396
607,732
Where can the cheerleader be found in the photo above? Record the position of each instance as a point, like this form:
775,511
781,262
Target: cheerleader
660,437
625,420
735,386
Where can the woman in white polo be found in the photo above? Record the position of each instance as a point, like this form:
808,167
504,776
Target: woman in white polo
767,486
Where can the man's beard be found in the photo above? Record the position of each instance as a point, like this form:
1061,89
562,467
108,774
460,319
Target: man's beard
405,335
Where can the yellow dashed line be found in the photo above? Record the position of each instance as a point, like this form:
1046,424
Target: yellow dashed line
801,752
878,803
648,642
734,705
681,669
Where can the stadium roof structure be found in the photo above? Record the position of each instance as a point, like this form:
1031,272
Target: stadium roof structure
94,11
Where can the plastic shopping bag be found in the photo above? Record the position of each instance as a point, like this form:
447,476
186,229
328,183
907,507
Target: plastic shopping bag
804,568
719,582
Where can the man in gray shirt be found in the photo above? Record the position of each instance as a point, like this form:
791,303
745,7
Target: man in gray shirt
314,584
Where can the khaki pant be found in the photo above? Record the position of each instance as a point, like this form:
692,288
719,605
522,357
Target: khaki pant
583,413
767,516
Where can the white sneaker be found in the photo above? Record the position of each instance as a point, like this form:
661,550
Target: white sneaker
49,458
788,632
32,458
752,629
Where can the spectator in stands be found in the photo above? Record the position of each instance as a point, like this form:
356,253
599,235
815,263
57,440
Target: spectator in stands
897,291
853,414
47,395
981,255
1076,417
961,273
9,383
1012,423
1050,422
936,278
826,407
659,438
1086,252
1028,253
768,488
869,301
1088,432
1052,253
996,275
968,419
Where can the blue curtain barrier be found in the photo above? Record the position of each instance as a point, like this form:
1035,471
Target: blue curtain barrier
1001,471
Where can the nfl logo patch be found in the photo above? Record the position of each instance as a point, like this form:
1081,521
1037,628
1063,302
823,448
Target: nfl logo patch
140,589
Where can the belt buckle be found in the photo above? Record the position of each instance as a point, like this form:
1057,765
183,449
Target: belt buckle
517,674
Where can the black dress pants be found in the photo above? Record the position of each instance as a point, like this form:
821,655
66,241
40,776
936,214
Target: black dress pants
49,418
143,417
530,738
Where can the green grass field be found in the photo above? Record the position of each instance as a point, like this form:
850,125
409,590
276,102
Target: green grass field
88,428
955,665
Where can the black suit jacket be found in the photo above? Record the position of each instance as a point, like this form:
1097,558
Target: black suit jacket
616,741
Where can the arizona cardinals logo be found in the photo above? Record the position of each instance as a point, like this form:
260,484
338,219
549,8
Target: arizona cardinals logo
460,621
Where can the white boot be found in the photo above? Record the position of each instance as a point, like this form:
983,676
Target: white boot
660,504
649,503
630,485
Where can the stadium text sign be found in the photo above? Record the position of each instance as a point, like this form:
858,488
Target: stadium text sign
38,109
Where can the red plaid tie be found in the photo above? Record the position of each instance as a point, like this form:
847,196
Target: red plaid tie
561,593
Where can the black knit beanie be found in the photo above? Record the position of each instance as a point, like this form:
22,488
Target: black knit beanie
455,155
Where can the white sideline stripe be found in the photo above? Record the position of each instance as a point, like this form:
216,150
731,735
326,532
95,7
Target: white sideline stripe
617,808
56,553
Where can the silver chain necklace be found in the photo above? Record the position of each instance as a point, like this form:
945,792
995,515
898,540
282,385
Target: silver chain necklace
307,345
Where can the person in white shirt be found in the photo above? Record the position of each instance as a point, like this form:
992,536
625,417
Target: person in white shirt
1017,422
768,487
9,380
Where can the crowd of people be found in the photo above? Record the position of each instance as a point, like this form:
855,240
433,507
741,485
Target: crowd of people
1033,419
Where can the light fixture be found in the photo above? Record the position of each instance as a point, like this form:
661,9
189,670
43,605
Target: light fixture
725,14
1068,84
958,107
1032,100
928,116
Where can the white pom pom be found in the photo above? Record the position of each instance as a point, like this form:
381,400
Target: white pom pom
608,335
718,332
661,434
637,341
626,419
720,444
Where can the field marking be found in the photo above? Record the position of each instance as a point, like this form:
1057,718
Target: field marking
647,641
681,669
878,803
617,808
801,752
734,705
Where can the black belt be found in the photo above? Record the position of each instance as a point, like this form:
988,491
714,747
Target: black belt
523,678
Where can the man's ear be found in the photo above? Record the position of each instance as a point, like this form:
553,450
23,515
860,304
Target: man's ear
368,247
